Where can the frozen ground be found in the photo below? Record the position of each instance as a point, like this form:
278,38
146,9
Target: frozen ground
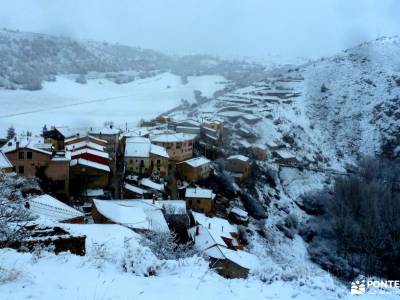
65,102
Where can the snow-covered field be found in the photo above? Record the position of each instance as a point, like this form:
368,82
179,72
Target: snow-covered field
65,102
99,274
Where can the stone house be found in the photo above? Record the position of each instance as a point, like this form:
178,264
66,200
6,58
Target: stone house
54,137
31,157
179,145
284,157
144,158
87,174
259,152
238,166
188,126
200,200
219,240
194,169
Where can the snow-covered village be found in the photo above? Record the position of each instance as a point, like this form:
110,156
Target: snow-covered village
133,173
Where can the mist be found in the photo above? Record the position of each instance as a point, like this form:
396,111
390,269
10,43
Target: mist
252,29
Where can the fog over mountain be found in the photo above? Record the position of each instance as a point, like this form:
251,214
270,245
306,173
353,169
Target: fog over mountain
255,29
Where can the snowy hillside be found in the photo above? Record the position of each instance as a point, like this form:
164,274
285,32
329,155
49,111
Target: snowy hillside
29,58
324,114
65,102
359,109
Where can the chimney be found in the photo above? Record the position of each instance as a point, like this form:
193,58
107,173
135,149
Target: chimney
209,225
154,198
197,230
222,228
17,144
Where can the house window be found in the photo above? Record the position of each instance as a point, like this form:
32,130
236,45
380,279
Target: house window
158,161
21,155
29,155
198,201
21,169
190,203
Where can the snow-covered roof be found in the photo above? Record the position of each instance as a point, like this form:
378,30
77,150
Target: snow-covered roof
205,238
173,137
250,117
89,137
284,154
84,144
90,151
196,162
208,236
141,131
187,123
230,114
93,192
158,150
48,207
240,212
70,132
136,214
239,257
146,182
4,162
141,147
105,130
218,225
199,193
134,189
90,164
137,147
32,143
271,144
239,157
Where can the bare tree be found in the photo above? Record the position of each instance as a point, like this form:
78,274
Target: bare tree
14,214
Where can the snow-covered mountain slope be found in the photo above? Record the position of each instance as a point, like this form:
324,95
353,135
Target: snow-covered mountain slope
65,102
354,98
28,58
326,114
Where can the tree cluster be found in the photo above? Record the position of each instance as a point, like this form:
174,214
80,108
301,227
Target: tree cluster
355,228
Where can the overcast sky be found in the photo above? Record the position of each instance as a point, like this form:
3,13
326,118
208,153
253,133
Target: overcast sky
229,28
